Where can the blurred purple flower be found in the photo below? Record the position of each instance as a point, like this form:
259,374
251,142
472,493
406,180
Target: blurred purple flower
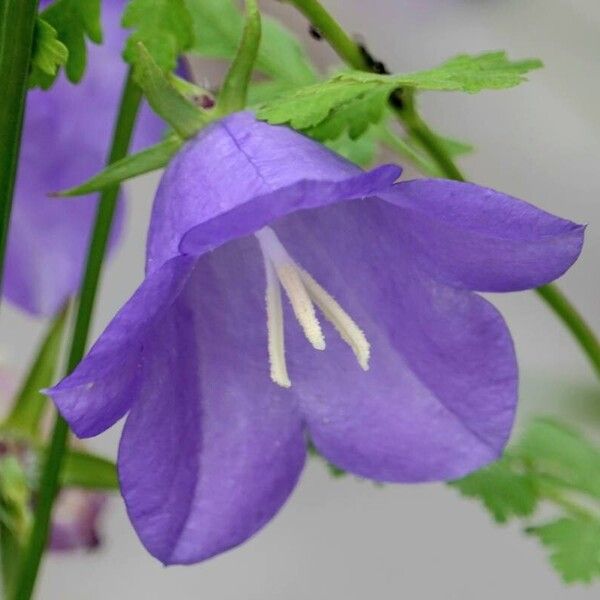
65,141
77,512
75,520
418,383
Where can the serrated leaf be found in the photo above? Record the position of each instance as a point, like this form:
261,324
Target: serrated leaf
163,26
574,546
465,73
560,452
309,106
503,491
353,117
74,21
352,100
90,471
184,116
147,160
218,26
48,55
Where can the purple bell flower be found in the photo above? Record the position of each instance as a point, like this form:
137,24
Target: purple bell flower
65,142
381,355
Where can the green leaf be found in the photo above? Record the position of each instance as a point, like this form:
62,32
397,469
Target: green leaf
185,117
559,452
14,496
48,55
354,99
353,117
74,20
464,73
152,158
454,147
504,492
163,26
234,92
574,546
218,27
85,470
361,151
309,106
29,405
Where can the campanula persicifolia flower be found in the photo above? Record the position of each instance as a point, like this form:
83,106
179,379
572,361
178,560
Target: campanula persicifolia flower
291,296
64,143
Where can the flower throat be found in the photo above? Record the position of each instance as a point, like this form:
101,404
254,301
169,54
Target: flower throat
303,293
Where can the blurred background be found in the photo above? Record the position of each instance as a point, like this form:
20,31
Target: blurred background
348,539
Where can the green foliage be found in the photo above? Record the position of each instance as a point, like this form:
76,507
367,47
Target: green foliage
463,73
562,454
147,160
355,99
89,471
30,404
48,55
504,492
165,99
551,465
234,91
218,27
74,21
14,496
361,151
163,26
574,546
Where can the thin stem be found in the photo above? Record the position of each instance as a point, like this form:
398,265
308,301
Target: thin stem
49,482
345,47
17,24
573,320
551,494
407,113
395,143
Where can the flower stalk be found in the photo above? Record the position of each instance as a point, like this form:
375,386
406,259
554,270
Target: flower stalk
17,24
350,52
49,482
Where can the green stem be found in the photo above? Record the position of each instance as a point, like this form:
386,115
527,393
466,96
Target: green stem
553,495
345,47
573,320
49,482
416,126
395,143
17,24
350,53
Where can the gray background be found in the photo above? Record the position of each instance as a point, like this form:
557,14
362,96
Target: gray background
349,539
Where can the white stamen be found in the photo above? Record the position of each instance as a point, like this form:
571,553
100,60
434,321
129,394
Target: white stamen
288,274
350,332
279,372
302,290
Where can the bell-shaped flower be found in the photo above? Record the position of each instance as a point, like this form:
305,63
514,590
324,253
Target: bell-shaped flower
66,137
289,297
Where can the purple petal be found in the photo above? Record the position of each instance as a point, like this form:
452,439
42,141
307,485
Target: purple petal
104,385
238,175
439,398
62,146
211,448
475,237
